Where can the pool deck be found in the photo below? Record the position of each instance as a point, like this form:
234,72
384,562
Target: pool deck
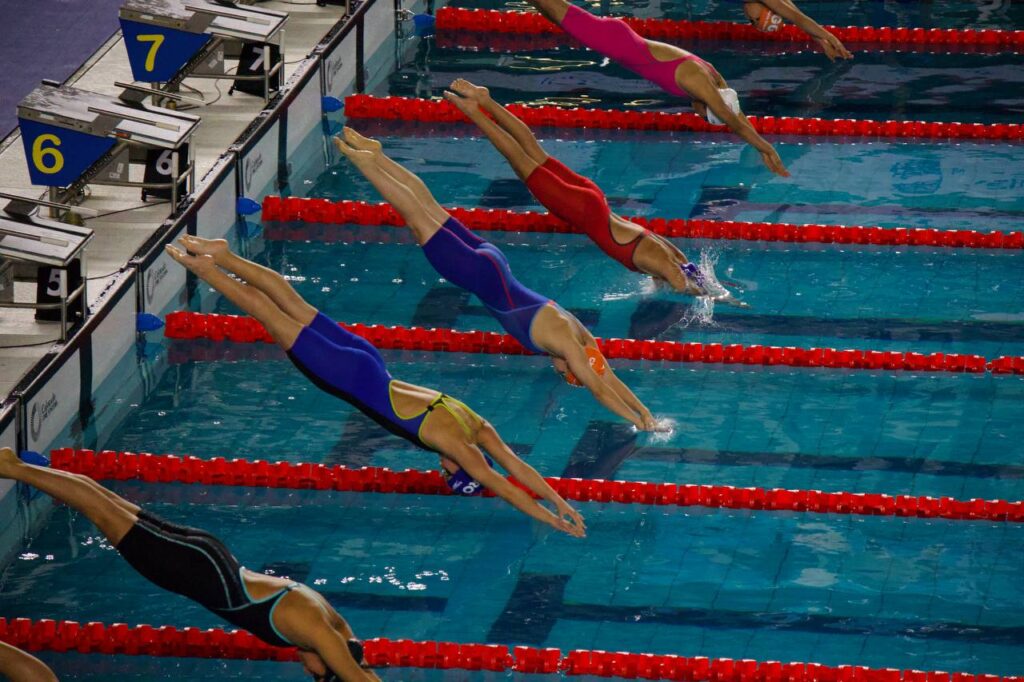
118,236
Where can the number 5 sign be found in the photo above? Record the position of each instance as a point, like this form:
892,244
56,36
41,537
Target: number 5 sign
156,53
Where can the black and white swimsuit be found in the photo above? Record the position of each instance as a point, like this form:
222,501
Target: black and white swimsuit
195,564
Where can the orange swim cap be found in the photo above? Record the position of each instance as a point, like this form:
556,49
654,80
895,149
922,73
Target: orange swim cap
597,363
768,22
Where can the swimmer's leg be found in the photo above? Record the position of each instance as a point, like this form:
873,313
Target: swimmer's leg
399,172
282,327
508,121
521,161
418,218
113,515
266,280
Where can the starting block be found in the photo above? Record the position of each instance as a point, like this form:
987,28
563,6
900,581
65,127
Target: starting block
76,137
55,249
171,40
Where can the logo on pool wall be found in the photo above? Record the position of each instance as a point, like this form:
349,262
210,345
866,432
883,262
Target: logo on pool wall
333,68
253,163
153,280
41,411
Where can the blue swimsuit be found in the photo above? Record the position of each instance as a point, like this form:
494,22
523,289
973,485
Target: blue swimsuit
349,367
480,267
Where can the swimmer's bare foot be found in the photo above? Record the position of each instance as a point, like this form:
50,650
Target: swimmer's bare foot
200,265
8,462
467,106
215,248
464,88
356,156
361,141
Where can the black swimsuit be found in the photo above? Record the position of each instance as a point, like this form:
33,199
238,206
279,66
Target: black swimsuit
195,564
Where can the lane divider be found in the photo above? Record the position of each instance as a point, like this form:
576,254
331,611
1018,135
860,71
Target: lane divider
313,210
190,642
517,43
531,23
150,468
241,329
441,111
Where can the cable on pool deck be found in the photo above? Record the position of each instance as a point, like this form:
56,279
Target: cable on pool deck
532,23
186,325
150,468
191,642
324,211
442,111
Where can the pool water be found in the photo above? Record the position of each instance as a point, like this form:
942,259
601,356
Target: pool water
778,79
881,592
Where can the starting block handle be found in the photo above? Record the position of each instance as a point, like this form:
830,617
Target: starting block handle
91,212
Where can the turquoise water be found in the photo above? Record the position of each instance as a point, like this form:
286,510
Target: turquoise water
772,79
894,184
780,79
925,594
883,592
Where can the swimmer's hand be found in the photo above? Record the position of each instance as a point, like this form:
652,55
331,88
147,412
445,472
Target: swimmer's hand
729,299
570,520
656,425
772,159
833,47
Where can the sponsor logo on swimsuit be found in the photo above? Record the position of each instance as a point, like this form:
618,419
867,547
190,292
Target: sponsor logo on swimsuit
253,163
153,279
41,411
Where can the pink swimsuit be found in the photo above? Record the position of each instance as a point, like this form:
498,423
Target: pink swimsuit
613,38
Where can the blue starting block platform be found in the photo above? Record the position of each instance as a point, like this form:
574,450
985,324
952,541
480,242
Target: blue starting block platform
76,137
170,40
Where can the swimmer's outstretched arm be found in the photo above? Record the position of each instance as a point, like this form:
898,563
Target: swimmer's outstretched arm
788,10
471,459
526,474
18,666
706,92
322,645
629,398
622,403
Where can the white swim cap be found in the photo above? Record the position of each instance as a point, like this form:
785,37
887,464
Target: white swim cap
731,99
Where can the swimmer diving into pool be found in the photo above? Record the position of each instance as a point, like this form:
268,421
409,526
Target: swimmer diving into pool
578,201
468,261
197,565
672,68
349,367
768,16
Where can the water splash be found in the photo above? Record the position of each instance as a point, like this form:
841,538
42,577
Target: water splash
666,429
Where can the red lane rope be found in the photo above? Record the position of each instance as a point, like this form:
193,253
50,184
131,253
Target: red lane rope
514,43
150,468
531,23
441,111
311,210
168,641
241,329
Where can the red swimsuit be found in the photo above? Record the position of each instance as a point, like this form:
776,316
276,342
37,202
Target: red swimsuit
579,202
